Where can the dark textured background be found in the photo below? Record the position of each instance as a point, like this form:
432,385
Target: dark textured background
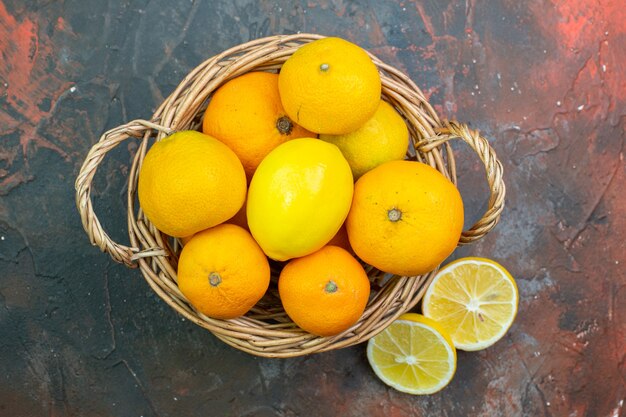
543,79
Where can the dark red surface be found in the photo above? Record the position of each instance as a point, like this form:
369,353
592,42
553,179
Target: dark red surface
544,80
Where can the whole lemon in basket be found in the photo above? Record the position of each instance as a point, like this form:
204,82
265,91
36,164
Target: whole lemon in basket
299,197
405,219
384,137
324,292
223,272
330,86
247,115
189,182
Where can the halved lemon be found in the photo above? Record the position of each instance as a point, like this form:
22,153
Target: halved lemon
475,300
413,355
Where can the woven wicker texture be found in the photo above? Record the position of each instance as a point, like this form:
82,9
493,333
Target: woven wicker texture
266,330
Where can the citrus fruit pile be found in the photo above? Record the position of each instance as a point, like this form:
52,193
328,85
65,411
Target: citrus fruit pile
307,168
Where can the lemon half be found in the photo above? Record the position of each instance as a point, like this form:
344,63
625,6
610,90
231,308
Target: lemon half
475,300
413,355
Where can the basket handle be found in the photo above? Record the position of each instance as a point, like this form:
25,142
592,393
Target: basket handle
493,167
108,141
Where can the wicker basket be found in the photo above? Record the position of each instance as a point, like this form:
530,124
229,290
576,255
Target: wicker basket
266,330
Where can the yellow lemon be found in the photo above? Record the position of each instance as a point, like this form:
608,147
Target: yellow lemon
413,355
299,197
475,300
384,137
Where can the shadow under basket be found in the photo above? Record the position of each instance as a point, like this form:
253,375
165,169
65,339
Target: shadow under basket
266,330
